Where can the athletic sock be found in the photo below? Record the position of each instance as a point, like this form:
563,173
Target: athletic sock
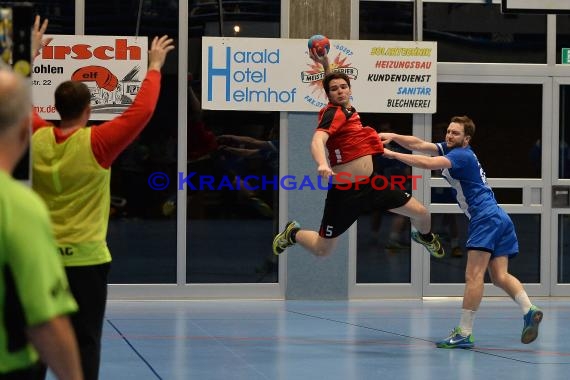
427,237
523,301
466,322
293,235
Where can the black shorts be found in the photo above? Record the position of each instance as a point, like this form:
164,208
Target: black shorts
343,206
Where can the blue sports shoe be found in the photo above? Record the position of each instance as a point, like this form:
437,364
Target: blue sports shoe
457,340
531,321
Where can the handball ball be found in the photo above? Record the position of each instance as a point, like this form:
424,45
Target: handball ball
320,43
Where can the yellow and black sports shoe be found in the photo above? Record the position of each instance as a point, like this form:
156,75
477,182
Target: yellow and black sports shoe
434,246
283,240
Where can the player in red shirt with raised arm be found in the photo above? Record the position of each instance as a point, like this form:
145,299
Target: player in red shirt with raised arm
350,148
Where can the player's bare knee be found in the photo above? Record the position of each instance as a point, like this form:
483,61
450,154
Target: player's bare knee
499,280
418,210
324,247
324,250
474,277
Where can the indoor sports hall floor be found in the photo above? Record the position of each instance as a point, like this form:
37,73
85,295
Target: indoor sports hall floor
385,339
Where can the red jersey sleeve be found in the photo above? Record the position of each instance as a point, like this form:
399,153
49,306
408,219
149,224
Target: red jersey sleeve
109,139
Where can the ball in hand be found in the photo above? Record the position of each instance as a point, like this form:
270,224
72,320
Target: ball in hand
320,43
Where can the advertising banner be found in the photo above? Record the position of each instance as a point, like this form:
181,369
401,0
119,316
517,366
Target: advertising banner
112,67
276,74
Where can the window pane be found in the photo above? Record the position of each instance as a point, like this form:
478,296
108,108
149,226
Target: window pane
386,20
442,194
564,135
562,35
232,207
500,122
453,232
563,249
503,196
480,33
383,242
508,196
116,17
60,13
231,222
142,229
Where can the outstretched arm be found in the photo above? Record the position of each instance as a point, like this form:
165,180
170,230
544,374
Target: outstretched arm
38,41
159,48
109,139
418,161
409,142
322,59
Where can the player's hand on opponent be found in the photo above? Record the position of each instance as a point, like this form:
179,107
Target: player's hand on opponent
388,153
38,40
325,171
386,137
159,48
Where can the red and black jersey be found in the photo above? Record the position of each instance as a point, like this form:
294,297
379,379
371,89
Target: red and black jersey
348,138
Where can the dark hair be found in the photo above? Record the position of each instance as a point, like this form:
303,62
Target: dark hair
468,124
71,99
334,75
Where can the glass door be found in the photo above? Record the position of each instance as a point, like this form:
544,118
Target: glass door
510,128
559,155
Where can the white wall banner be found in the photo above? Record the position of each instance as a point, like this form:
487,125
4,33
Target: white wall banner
113,68
277,74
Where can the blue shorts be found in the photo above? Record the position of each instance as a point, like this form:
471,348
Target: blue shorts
494,234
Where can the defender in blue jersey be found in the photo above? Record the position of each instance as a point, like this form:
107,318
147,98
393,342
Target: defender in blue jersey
491,234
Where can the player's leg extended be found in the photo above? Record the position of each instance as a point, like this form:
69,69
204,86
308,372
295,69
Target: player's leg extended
421,220
317,245
532,315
